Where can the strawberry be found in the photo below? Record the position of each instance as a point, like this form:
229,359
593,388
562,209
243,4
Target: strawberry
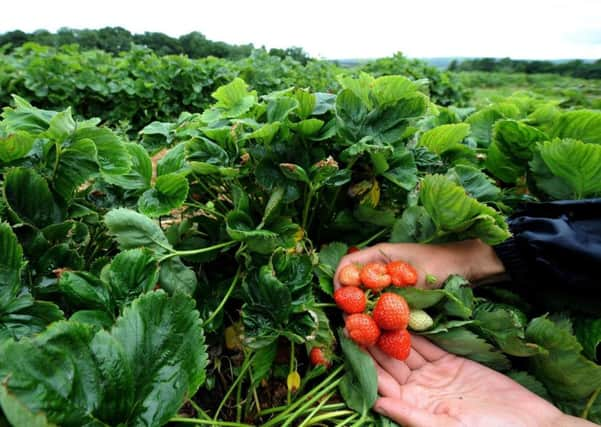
362,329
375,276
318,357
419,320
350,299
350,275
352,250
391,312
396,344
402,273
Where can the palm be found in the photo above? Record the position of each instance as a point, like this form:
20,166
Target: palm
433,387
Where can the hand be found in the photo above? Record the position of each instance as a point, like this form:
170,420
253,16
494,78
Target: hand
471,259
435,388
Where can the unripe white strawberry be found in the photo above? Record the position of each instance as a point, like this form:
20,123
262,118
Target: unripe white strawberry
419,320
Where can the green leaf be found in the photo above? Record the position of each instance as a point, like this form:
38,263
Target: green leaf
475,182
25,117
309,127
23,316
584,125
460,298
134,230
566,373
113,157
84,290
130,274
388,90
76,165
573,164
234,99
61,126
18,414
263,362
359,386
28,196
444,138
517,140
138,374
501,165
420,298
140,174
294,172
173,162
11,263
329,257
54,373
206,151
163,343
306,103
414,226
504,325
465,343
279,108
96,318
15,146
481,123
588,331
170,192
175,276
403,170
453,211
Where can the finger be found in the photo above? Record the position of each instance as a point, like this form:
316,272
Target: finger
387,385
410,416
397,369
429,351
415,360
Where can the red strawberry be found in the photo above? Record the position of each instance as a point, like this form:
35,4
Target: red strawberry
350,299
396,344
402,273
352,250
362,329
375,276
318,357
391,312
350,275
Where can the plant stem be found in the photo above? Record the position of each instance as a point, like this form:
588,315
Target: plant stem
372,238
325,383
208,422
330,415
316,409
344,423
589,403
245,367
289,393
198,409
306,209
197,251
225,298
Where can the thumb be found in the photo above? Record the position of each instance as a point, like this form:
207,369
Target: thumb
410,416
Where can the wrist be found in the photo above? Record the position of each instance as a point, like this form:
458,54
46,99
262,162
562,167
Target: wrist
481,260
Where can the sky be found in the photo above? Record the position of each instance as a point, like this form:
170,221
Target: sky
334,29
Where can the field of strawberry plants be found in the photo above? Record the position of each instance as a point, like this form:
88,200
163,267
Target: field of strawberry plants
183,274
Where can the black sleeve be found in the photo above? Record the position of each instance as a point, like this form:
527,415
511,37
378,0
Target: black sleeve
555,244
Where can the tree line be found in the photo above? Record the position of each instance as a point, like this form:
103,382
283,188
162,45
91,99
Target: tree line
118,39
573,68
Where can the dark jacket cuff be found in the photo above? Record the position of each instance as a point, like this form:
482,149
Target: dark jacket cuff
512,258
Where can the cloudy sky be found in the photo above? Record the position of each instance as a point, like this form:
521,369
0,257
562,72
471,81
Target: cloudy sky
344,29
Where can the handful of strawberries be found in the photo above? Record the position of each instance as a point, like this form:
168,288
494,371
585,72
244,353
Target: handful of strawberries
387,325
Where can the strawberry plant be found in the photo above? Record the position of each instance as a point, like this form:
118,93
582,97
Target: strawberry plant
202,286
